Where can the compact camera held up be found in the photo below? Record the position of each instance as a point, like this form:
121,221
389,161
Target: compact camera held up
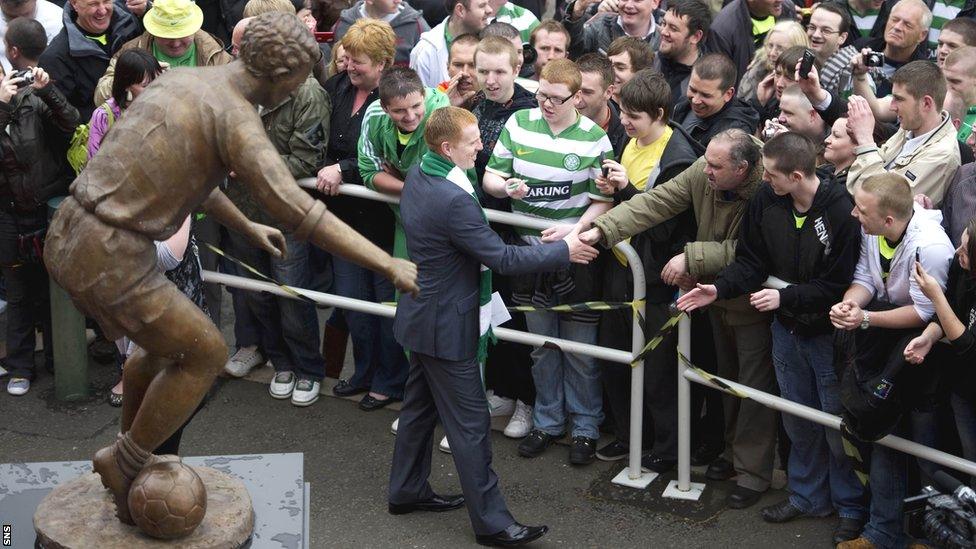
27,75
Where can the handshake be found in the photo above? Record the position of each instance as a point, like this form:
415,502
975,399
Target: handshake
581,248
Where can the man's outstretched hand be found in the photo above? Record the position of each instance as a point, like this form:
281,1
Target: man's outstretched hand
268,239
403,275
591,237
702,295
579,252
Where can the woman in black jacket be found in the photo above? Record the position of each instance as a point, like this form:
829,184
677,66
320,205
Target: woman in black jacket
35,123
956,321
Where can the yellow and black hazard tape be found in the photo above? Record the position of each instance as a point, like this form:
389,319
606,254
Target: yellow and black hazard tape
713,379
584,306
291,291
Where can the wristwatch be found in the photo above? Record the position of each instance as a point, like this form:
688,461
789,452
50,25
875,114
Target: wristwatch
865,320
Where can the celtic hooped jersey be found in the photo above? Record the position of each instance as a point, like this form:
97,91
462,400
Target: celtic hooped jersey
560,171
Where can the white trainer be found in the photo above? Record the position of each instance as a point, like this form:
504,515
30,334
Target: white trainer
499,405
243,361
444,446
393,428
306,392
282,385
521,422
18,386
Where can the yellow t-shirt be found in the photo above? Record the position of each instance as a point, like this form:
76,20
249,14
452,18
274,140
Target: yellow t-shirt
639,161
762,26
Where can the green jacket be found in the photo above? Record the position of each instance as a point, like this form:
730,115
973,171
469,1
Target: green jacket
718,219
298,128
378,150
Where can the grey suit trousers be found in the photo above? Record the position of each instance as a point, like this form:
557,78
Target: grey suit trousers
451,391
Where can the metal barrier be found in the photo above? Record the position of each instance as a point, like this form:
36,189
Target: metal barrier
683,488
630,476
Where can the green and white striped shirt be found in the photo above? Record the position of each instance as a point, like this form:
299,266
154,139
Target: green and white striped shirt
866,21
520,18
942,12
560,170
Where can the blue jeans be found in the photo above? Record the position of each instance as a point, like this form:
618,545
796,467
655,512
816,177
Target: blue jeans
567,385
889,479
299,321
820,474
381,364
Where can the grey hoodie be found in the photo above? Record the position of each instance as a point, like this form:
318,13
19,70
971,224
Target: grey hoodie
408,25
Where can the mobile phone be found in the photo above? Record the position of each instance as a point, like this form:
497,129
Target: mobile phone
807,63
605,170
324,37
918,255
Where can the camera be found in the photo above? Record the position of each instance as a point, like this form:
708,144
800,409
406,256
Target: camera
27,75
529,55
946,519
874,59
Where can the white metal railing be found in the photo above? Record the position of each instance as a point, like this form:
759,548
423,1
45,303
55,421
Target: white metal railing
681,488
633,471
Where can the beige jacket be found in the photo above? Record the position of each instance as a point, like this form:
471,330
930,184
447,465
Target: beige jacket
929,169
718,216
210,52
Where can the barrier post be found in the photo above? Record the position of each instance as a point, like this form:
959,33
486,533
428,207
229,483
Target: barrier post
632,476
68,336
683,488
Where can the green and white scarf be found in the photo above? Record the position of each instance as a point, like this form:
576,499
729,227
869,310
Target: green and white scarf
436,165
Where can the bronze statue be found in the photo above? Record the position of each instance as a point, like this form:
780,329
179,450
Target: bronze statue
161,161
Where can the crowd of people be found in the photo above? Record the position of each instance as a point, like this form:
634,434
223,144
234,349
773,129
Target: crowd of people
829,145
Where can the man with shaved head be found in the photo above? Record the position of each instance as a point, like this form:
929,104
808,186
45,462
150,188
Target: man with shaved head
960,75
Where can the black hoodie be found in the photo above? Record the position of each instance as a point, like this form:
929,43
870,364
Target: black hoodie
817,260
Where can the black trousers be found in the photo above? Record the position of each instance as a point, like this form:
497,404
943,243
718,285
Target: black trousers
452,392
28,301
508,371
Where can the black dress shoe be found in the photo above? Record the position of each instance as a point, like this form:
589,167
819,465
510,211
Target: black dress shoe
705,454
743,497
783,511
344,389
657,464
370,403
583,451
847,529
434,504
534,444
720,469
516,534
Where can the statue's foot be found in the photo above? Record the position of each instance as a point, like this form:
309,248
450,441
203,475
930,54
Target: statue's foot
107,467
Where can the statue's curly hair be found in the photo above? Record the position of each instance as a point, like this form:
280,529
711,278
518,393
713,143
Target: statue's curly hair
276,45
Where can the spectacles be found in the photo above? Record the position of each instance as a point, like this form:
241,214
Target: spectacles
812,29
542,98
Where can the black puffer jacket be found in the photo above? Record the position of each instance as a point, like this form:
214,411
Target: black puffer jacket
34,128
818,259
76,62
735,114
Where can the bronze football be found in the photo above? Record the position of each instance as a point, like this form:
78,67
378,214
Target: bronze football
167,500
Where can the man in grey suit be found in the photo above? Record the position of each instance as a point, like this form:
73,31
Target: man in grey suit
449,239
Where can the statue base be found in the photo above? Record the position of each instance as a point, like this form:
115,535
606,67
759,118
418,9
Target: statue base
80,514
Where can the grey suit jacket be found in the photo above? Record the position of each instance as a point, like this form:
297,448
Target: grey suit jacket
449,239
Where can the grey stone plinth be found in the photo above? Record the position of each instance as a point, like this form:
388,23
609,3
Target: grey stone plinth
80,514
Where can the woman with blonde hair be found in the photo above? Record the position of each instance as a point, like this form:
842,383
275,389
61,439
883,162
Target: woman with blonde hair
783,36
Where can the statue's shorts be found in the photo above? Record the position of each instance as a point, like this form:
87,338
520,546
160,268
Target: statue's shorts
110,273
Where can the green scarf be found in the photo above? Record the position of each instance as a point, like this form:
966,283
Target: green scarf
436,165
188,59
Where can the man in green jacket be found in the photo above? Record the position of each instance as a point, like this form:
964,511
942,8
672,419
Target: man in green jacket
392,139
718,187
298,127
391,142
